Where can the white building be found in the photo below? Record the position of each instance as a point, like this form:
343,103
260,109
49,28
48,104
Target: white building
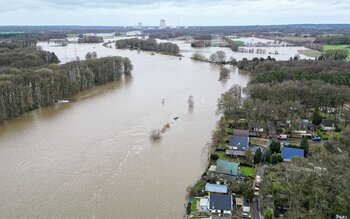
162,24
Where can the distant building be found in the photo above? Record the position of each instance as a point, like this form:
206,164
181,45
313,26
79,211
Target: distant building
139,26
162,24
288,153
133,33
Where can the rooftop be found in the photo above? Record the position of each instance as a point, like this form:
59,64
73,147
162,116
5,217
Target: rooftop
239,132
215,188
226,167
220,202
239,201
288,153
328,123
239,142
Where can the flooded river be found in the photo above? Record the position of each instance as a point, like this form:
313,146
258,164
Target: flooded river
93,158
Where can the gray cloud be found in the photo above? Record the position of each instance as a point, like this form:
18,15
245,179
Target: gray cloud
183,12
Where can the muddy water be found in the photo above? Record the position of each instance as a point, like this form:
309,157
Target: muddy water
92,157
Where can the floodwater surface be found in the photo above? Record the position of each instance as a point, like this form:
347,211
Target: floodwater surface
93,158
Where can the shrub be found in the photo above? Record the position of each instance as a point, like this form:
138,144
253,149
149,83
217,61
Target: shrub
214,157
268,213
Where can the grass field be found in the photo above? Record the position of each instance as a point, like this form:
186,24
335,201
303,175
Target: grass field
238,43
335,47
222,156
310,53
228,130
194,205
258,141
72,35
247,171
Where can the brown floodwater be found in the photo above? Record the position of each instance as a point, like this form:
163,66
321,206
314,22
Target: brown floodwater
93,158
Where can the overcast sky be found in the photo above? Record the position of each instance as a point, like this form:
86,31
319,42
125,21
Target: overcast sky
179,12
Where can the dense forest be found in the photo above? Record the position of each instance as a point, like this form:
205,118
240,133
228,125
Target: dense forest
14,55
148,45
30,78
332,72
333,40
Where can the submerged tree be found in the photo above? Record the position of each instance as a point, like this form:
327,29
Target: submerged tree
88,56
155,134
224,73
190,101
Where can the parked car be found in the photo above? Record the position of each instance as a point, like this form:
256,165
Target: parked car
316,139
282,137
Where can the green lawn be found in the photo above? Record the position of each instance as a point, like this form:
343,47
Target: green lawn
198,187
194,205
258,141
247,171
228,130
222,156
335,47
238,42
72,35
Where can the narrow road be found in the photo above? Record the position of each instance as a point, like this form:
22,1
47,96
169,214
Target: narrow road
257,201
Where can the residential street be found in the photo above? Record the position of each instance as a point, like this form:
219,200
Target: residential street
257,201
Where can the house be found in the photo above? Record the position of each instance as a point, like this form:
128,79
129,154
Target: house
226,167
306,124
238,153
223,170
240,143
235,153
215,188
328,125
204,204
221,204
240,132
288,153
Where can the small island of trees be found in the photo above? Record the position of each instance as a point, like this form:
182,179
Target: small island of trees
148,45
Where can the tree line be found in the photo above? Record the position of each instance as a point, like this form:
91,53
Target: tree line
268,71
148,45
26,87
333,40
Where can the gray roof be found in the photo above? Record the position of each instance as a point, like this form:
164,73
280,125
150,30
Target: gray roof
235,153
215,188
239,142
226,167
220,202
239,132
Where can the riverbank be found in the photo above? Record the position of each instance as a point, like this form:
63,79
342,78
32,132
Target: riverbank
295,136
25,89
